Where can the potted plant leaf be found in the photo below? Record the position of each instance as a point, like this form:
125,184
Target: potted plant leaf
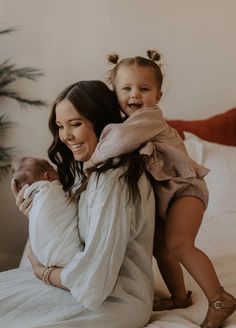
10,73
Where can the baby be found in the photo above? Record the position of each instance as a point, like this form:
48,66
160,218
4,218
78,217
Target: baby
53,241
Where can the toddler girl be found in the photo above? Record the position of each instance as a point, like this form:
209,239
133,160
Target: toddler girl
181,192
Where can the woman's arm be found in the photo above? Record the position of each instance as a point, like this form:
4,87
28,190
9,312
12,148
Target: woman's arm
39,269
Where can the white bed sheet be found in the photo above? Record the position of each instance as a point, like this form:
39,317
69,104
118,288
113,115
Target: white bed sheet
217,238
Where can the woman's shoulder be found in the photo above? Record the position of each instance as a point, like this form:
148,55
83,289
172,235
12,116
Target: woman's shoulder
113,180
103,186
110,176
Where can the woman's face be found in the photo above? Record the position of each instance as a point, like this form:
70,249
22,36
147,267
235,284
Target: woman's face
75,131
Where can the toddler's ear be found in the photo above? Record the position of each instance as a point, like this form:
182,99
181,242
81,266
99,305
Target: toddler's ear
159,97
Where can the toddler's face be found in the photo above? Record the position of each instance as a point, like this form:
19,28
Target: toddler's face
136,87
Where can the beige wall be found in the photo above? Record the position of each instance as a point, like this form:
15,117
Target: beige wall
69,40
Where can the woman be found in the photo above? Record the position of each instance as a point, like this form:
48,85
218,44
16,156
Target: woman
109,282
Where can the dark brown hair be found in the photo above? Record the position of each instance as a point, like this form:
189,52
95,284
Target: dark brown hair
96,102
153,57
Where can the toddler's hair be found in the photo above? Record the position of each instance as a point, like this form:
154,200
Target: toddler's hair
153,57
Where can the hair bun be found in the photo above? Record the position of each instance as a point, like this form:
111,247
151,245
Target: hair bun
153,55
113,58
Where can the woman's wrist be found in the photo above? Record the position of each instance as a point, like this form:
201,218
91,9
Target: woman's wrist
51,276
46,275
38,271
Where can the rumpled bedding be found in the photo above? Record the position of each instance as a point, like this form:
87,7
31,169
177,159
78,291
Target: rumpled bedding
217,237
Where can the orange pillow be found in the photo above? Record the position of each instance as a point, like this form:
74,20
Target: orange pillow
220,128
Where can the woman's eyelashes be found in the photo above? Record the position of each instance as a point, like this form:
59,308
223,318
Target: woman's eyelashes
75,124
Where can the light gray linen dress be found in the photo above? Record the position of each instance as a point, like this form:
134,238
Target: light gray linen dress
110,278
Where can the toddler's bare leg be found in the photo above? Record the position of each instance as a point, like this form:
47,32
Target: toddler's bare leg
168,265
183,221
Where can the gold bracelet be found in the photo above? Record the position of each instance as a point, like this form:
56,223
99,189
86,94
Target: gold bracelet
46,274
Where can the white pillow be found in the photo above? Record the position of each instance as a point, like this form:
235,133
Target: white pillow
194,146
221,180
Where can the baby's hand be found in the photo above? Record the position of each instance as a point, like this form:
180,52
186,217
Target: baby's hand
24,205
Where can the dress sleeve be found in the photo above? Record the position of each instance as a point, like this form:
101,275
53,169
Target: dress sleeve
93,273
118,139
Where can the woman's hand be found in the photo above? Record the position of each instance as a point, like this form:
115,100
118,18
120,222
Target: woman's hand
24,205
37,267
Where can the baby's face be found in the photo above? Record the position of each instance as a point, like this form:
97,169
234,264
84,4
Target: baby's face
136,87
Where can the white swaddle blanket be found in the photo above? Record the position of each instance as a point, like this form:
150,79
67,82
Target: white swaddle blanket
53,223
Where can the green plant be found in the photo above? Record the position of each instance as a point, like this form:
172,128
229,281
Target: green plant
10,73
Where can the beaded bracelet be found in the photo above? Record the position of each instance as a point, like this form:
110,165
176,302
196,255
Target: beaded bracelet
45,275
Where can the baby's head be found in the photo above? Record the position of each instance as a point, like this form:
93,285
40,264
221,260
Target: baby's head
137,81
31,169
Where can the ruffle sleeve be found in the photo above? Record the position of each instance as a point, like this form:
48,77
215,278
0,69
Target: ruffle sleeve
166,161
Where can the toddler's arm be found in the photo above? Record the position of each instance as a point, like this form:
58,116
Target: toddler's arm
123,138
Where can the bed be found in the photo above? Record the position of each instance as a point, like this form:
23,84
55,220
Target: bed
212,143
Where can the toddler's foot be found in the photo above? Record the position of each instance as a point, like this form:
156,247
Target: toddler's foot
173,303
219,310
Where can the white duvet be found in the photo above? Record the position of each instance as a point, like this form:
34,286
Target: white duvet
217,238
